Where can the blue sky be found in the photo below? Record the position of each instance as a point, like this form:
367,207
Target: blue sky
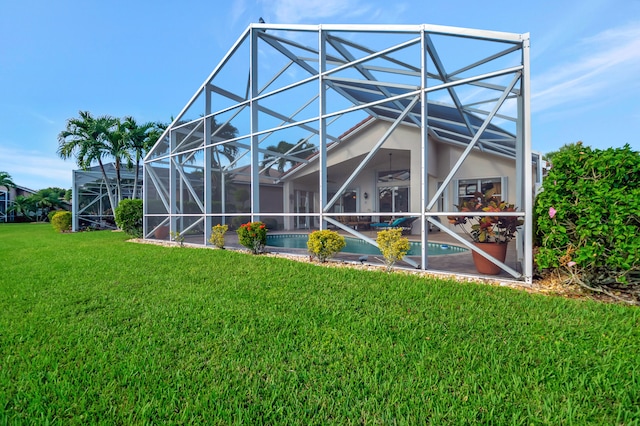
147,58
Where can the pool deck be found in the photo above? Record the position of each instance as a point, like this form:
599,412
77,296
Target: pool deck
460,264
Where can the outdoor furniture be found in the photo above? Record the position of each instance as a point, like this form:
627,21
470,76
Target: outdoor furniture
356,222
404,223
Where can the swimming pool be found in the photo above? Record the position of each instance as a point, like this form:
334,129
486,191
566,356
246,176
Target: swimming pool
357,246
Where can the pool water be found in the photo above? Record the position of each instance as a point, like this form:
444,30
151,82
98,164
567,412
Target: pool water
357,246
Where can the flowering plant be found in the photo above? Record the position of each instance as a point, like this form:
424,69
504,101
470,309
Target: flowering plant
487,229
217,235
253,235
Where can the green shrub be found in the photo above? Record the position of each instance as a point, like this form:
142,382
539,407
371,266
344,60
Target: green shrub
392,245
177,237
253,235
588,219
217,235
61,221
324,244
128,217
51,214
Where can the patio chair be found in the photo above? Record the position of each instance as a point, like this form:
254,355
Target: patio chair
404,223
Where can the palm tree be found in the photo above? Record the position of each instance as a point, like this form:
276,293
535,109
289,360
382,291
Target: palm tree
87,139
116,146
227,150
6,181
23,206
140,138
287,149
44,201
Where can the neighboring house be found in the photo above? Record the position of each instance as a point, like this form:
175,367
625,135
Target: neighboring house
382,120
91,205
7,195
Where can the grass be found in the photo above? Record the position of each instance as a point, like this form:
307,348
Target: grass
96,330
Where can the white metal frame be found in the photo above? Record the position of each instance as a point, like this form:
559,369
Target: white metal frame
343,63
4,214
90,188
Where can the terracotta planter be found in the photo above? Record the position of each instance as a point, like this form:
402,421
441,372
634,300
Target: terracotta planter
485,266
161,233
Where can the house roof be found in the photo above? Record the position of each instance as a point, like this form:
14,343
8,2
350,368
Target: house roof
25,189
353,129
93,174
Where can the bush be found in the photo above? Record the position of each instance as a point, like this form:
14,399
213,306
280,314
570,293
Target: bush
588,222
129,215
393,246
324,244
253,235
217,235
51,214
177,237
61,221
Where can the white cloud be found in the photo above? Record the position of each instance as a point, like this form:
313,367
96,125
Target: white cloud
41,117
36,170
296,11
238,11
583,15
606,65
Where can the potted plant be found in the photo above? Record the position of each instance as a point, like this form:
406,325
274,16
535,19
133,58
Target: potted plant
161,232
489,233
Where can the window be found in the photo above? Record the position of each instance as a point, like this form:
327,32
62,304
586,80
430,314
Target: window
393,199
303,204
393,192
347,203
468,187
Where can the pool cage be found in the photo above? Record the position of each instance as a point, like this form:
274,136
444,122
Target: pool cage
5,214
91,203
339,126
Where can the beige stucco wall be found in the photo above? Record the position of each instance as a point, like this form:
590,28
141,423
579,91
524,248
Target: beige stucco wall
14,192
405,145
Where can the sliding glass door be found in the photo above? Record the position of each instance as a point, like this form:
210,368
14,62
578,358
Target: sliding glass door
393,199
303,204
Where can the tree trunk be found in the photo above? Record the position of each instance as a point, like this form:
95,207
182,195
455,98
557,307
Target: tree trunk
106,182
118,182
135,180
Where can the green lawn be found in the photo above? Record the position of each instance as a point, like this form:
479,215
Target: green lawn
94,329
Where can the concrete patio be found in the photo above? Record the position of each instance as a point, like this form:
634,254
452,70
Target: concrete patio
456,263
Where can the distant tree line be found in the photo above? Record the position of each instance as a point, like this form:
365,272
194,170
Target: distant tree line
37,206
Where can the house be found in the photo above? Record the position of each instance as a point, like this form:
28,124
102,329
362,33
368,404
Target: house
364,123
7,195
387,185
